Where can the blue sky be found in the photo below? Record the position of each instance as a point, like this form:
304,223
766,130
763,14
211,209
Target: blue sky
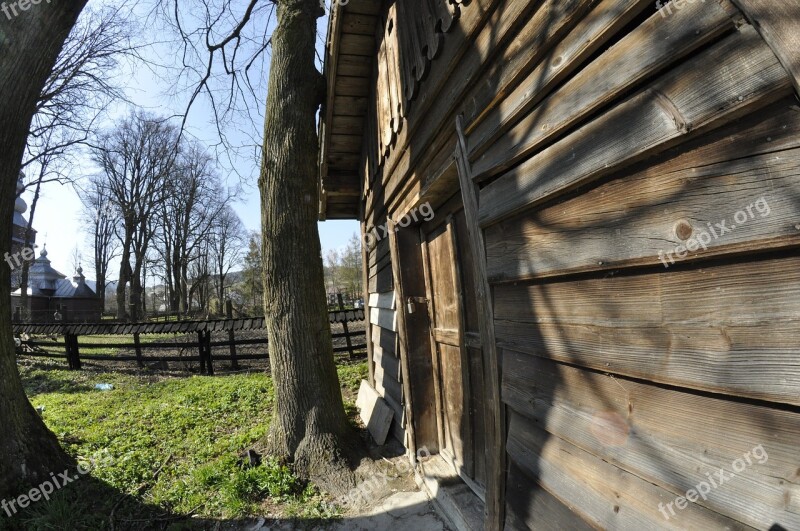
158,90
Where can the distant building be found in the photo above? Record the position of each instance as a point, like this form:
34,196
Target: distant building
52,296
20,225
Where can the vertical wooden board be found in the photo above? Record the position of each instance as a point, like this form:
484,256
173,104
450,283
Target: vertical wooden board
434,349
467,268
417,330
779,25
495,411
668,437
477,413
403,338
455,414
395,81
445,298
384,103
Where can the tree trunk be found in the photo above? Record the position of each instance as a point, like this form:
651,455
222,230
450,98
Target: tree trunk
26,265
124,278
309,426
29,46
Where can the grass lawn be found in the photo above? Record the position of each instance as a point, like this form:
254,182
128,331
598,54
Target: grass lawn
170,445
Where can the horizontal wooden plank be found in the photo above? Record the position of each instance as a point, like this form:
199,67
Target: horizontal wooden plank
658,43
447,336
382,300
358,45
727,329
352,86
700,93
559,37
387,361
382,280
673,439
384,318
744,205
350,105
529,506
360,24
603,494
362,7
347,162
353,65
345,143
390,389
385,339
347,125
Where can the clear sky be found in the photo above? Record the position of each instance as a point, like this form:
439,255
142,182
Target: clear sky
159,90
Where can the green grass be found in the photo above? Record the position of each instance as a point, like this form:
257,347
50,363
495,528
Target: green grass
175,443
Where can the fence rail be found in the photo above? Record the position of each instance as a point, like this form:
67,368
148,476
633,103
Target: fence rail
74,351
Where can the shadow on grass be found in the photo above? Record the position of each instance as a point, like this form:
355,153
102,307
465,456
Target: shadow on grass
90,504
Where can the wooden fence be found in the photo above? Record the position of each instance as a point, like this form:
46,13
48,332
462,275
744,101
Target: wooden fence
31,345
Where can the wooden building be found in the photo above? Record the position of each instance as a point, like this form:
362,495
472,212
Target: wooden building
602,313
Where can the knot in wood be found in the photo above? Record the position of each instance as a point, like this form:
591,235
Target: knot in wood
683,230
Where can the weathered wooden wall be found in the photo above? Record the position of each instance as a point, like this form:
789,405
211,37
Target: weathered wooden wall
603,134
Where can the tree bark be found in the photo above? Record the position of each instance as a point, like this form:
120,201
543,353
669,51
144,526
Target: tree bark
309,426
29,46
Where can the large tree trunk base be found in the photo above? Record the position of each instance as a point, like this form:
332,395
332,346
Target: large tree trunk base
333,463
31,453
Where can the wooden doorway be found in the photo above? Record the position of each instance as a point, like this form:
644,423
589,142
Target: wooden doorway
455,343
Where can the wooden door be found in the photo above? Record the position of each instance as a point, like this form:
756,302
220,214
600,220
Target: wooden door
457,357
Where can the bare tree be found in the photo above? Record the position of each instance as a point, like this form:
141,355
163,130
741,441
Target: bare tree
187,216
100,214
138,160
29,452
78,90
226,246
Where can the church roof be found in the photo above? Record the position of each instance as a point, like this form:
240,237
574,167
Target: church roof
45,281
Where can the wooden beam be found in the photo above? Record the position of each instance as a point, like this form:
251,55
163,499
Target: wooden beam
400,315
779,25
495,415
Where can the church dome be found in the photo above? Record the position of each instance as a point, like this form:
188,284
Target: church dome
20,205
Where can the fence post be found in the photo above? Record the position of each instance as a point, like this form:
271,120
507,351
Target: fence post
73,353
209,359
231,335
202,349
346,329
138,347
